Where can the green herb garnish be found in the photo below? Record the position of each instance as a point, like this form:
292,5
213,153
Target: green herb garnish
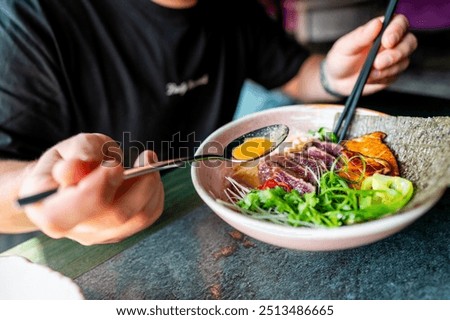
323,134
335,204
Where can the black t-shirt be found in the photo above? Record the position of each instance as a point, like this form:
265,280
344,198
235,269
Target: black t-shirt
130,69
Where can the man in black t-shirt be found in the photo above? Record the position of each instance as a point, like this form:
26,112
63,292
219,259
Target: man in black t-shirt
155,75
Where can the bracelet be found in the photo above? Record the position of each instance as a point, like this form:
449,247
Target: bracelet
326,85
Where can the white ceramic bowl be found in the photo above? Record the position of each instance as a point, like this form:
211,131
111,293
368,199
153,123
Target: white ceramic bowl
21,279
209,181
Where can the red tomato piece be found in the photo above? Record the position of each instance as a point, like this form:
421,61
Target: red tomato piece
272,183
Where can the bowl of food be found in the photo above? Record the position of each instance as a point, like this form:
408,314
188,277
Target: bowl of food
316,194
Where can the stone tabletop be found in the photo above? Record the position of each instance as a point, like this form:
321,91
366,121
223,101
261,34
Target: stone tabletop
198,256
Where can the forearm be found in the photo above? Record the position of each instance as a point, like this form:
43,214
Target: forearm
306,85
12,219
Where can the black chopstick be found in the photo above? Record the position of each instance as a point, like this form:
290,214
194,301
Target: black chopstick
36,197
350,104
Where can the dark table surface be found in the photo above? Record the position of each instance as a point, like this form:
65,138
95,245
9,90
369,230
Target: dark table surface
196,257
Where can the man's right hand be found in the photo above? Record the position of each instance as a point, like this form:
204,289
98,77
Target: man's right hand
94,204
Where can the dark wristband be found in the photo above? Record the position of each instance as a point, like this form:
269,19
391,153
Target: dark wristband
326,85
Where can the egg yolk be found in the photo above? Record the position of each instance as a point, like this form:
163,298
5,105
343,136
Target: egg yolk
252,148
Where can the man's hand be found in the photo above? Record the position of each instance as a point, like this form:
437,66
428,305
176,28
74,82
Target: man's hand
346,58
94,204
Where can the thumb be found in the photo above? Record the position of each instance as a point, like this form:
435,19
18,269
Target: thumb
145,158
71,171
360,39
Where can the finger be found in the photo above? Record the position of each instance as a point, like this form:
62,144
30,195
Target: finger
145,158
142,192
114,230
375,87
94,193
85,147
359,39
139,221
142,220
389,57
40,177
93,235
394,70
148,216
379,84
395,31
90,147
70,172
103,230
137,192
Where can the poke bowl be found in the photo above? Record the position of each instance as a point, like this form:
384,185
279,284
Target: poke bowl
420,145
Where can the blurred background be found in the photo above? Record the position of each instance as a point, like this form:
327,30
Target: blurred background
422,90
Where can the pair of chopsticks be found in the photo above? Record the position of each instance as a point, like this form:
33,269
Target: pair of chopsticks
345,119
